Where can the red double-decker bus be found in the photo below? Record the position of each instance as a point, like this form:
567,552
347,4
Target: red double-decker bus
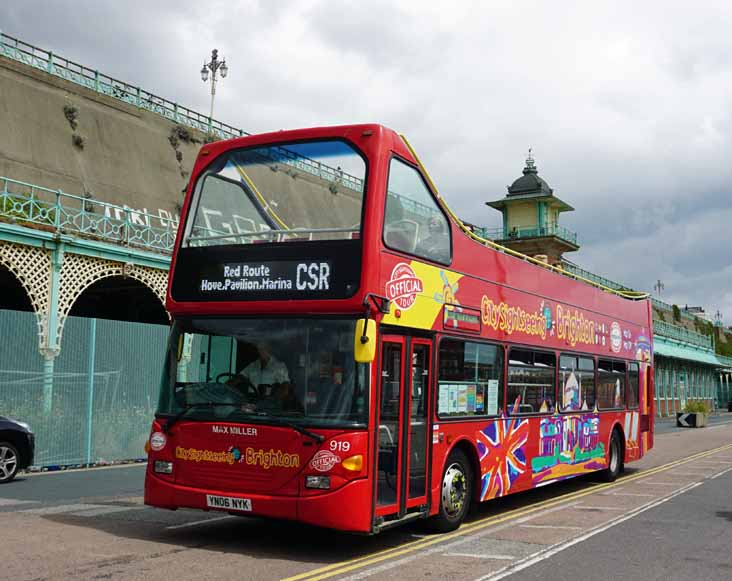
345,352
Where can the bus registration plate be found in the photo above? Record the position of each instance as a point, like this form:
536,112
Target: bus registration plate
228,503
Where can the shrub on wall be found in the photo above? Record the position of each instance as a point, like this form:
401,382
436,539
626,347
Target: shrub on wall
698,407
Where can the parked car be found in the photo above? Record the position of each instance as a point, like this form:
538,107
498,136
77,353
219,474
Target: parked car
17,446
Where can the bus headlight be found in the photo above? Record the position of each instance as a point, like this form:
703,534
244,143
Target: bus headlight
317,482
353,463
163,467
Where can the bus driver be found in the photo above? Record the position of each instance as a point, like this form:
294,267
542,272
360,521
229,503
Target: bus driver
266,370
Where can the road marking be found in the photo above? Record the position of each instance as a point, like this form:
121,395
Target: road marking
14,502
718,474
545,512
474,556
639,494
333,569
554,549
77,470
198,522
61,509
662,483
107,510
562,527
584,507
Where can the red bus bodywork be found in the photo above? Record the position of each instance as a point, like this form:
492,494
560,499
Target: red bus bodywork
498,298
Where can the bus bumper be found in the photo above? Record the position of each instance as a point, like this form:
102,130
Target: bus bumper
346,509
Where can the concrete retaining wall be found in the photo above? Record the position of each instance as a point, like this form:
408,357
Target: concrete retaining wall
127,157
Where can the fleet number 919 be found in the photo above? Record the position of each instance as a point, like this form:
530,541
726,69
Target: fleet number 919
337,446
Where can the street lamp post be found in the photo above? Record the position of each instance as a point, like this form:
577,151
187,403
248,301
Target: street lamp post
215,66
658,287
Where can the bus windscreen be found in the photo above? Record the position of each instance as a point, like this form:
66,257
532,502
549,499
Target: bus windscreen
309,191
293,371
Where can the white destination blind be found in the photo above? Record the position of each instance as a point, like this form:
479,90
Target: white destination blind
290,276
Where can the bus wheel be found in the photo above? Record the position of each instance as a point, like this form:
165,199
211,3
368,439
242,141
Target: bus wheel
456,492
615,461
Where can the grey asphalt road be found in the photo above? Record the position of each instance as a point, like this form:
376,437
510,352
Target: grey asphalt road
687,537
92,524
77,485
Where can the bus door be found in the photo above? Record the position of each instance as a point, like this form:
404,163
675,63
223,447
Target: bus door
401,470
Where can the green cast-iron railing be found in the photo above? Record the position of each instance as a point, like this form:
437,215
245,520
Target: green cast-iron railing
92,79
726,361
54,210
683,334
535,232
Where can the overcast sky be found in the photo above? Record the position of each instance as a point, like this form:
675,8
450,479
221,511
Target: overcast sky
627,105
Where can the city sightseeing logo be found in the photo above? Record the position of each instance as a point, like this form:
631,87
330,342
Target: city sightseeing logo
404,286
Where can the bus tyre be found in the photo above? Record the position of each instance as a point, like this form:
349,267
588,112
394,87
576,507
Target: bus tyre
456,491
615,459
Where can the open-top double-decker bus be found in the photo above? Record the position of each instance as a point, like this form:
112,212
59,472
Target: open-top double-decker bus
345,352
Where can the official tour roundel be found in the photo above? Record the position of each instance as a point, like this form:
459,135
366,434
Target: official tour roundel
616,337
404,286
324,460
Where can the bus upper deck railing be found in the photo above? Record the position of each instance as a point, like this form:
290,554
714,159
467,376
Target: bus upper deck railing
93,80
54,210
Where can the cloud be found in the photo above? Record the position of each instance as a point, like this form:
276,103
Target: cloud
626,105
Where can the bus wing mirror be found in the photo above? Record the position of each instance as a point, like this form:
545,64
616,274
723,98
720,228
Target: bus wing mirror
364,341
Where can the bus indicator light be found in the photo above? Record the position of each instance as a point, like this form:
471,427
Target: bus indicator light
353,463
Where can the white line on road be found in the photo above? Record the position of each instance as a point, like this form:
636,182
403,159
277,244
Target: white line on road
456,544
639,494
199,522
654,483
718,474
563,527
585,507
14,502
60,509
553,550
107,510
476,556
77,470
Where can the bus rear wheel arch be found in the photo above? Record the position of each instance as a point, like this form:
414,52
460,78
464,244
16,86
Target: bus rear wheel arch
615,456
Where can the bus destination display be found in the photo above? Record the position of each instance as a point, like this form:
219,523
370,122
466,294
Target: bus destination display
288,276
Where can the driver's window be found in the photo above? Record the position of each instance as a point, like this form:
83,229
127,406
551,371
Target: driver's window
413,222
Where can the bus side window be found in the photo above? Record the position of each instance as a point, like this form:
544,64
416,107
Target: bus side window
577,383
610,384
470,378
633,383
531,381
413,222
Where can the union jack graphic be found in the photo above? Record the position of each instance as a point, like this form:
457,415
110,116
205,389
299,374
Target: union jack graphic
502,456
